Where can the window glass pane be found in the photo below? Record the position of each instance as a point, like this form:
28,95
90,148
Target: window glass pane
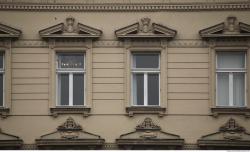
223,89
71,61
78,89
153,89
138,89
63,89
239,89
1,60
146,60
231,59
1,89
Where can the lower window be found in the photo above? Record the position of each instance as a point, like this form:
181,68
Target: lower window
145,79
70,79
231,79
1,80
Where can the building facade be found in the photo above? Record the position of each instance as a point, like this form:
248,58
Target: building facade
124,74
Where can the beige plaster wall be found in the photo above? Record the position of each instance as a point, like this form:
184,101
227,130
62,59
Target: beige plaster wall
187,74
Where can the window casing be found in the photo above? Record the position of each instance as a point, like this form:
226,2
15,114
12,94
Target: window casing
145,73
231,79
2,72
70,79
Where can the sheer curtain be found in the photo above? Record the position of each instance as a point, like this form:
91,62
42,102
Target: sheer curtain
239,89
231,73
223,89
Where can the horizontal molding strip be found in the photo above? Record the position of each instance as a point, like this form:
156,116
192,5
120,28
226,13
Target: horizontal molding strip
118,7
112,44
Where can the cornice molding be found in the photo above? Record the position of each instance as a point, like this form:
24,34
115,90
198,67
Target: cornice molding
113,44
124,7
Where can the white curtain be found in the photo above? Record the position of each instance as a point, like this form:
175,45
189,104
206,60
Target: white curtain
239,89
223,89
231,60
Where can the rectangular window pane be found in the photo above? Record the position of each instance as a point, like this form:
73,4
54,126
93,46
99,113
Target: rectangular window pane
1,60
138,89
63,89
78,89
153,89
146,60
223,89
1,89
231,60
71,61
239,89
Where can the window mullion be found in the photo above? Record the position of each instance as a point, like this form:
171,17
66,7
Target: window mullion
145,89
71,89
231,89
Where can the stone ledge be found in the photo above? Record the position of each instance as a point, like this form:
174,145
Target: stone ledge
70,110
4,112
145,110
227,110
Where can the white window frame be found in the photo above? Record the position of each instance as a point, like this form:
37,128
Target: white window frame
71,72
145,71
2,71
230,89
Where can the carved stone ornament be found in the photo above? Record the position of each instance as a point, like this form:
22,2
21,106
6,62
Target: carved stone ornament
149,136
230,135
69,125
70,29
231,28
9,32
123,6
145,29
148,124
70,135
8,141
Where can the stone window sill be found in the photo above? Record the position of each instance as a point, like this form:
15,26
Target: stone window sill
4,112
145,110
228,110
70,110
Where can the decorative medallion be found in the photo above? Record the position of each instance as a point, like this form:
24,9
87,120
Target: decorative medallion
149,136
230,135
70,135
231,126
69,125
148,124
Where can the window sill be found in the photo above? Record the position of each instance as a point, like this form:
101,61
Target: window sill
4,112
145,110
229,110
70,110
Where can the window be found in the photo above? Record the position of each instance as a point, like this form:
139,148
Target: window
231,79
70,79
1,80
145,79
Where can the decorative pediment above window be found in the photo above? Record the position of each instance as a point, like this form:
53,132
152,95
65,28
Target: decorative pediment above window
230,136
145,29
149,136
70,29
8,141
230,28
70,136
9,32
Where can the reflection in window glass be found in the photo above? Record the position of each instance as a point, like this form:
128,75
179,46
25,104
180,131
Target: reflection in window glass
153,89
146,72
146,60
78,90
138,89
71,73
